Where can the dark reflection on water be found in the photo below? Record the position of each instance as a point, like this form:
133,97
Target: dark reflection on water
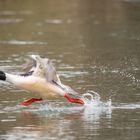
94,45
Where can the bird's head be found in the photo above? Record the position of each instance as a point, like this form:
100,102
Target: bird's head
2,76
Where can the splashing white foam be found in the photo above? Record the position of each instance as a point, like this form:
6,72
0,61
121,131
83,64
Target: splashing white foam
93,102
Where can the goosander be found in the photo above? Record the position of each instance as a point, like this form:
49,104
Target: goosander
43,79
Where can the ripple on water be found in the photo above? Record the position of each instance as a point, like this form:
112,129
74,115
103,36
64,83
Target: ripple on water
126,106
19,42
13,13
54,21
10,20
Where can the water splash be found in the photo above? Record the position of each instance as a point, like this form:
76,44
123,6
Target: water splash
93,105
92,99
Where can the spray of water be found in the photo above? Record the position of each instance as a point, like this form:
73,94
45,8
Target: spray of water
92,99
92,110
92,104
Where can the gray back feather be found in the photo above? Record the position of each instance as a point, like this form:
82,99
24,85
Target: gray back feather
50,72
29,64
42,67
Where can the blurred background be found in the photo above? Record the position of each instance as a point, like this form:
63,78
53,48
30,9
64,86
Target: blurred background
94,45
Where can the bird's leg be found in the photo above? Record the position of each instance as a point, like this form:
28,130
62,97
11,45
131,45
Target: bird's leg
30,101
73,100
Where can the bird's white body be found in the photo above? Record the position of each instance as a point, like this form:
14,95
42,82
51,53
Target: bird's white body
35,84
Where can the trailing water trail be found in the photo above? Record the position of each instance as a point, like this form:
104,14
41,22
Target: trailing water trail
93,108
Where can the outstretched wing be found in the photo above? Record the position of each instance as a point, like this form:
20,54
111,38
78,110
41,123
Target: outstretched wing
29,64
50,72
52,76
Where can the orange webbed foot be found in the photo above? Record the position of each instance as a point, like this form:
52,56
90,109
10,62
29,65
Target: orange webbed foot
30,101
74,100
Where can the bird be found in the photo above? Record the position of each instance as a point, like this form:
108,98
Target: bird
43,79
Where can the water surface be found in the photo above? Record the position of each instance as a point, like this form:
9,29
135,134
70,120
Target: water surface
94,46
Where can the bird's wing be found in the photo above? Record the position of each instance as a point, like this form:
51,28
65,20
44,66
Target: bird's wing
45,68
52,76
50,72
29,65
